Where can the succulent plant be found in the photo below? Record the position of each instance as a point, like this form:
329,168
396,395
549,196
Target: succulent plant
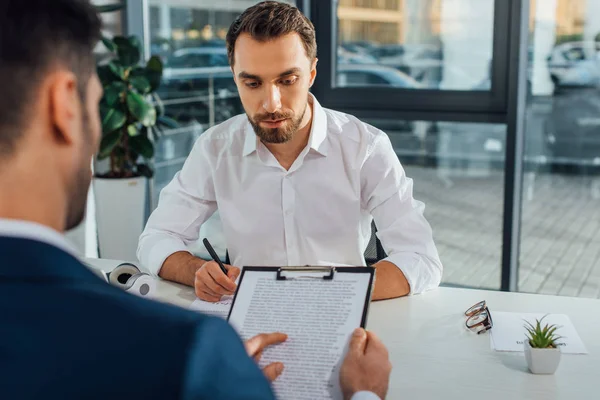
542,337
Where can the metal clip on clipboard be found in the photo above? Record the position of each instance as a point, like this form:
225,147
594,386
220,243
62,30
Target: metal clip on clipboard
327,272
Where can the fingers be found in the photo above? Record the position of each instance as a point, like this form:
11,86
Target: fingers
219,277
207,287
232,272
202,295
258,343
214,288
272,371
358,342
375,344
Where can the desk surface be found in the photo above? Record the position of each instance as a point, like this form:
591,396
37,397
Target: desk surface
434,356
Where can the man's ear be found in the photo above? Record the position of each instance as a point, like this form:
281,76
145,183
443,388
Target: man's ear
313,72
64,105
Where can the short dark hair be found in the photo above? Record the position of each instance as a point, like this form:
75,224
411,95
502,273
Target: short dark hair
36,36
269,20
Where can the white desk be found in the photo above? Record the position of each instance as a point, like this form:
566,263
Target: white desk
435,357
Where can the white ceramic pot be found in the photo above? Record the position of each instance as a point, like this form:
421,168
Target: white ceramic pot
120,210
542,361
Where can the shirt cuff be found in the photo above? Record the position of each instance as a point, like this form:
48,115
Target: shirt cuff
160,252
422,275
363,395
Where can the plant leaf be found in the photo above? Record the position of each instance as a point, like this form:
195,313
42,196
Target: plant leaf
106,75
114,119
109,8
141,109
141,84
142,145
109,44
132,130
117,69
135,42
108,143
129,53
113,92
154,71
168,122
145,170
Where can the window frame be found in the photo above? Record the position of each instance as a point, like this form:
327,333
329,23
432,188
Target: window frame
491,103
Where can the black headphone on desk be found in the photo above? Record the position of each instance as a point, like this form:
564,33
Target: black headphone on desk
129,278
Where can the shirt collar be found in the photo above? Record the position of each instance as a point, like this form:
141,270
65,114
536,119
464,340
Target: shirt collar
318,131
34,231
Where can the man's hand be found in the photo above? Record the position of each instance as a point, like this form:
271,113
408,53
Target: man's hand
211,283
366,366
257,344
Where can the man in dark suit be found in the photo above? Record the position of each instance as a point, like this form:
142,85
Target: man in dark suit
64,333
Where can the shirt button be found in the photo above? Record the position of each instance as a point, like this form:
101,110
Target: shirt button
288,212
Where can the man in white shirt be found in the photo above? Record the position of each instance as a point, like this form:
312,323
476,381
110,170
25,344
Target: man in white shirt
294,183
65,333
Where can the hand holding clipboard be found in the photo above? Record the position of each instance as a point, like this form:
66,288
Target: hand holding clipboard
318,308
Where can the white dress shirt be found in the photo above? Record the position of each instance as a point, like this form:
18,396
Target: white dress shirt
320,210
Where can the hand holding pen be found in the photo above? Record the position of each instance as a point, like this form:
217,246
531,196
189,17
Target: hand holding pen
215,279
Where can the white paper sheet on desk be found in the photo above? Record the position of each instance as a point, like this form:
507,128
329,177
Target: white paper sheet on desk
219,309
508,332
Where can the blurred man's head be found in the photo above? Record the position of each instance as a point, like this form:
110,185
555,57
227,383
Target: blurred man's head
272,52
49,117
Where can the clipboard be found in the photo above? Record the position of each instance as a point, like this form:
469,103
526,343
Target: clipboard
300,272
319,322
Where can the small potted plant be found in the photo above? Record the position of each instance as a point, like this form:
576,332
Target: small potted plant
541,347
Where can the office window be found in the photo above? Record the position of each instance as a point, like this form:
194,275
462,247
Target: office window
198,90
436,44
560,239
458,172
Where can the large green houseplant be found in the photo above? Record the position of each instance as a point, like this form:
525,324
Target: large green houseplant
132,119
131,112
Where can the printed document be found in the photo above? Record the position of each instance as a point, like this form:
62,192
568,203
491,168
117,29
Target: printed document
318,316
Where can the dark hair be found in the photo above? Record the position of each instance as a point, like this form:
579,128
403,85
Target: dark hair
35,37
269,20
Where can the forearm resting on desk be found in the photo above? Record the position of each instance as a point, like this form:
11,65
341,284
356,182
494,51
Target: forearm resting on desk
390,282
181,267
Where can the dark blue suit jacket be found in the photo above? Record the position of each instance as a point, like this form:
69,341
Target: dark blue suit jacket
65,334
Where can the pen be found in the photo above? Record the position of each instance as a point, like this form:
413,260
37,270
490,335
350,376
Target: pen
214,255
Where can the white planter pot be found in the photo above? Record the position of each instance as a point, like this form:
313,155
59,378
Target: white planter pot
120,208
541,361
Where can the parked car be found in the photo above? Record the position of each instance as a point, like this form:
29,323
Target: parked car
350,57
411,140
575,64
187,78
374,75
421,61
572,129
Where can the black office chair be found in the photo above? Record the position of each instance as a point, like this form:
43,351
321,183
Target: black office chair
374,251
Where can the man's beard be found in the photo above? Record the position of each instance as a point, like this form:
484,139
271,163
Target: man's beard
277,135
80,184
